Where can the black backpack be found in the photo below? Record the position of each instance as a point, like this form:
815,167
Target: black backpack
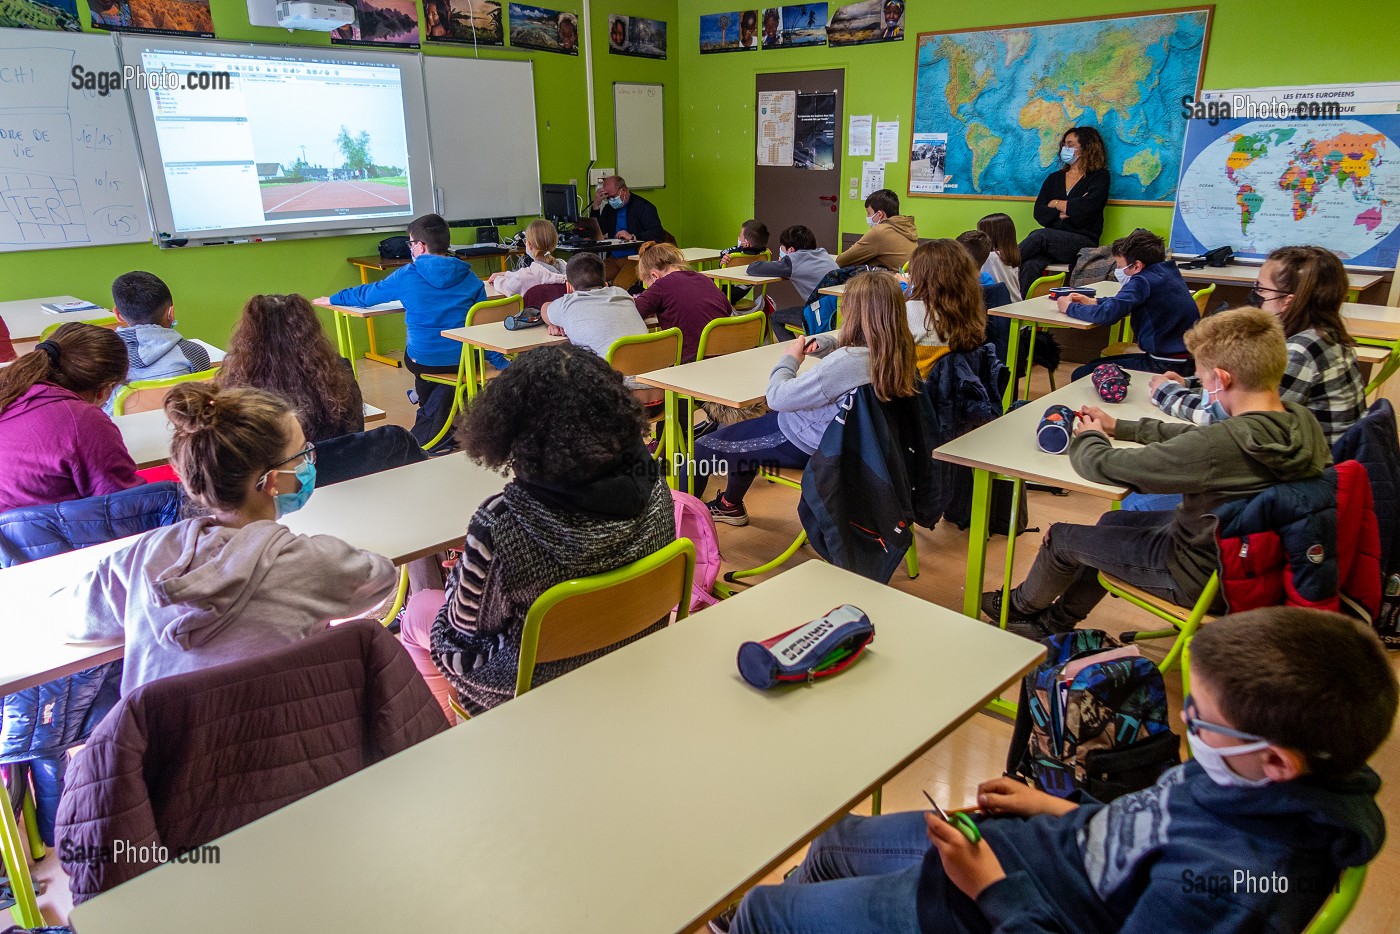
394,248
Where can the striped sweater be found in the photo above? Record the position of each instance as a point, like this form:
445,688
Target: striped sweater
517,547
1321,377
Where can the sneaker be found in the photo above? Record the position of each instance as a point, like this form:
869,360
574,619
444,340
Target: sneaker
1027,627
413,396
720,923
722,511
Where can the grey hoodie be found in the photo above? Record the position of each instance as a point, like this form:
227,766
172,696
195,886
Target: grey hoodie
197,594
805,268
807,403
155,352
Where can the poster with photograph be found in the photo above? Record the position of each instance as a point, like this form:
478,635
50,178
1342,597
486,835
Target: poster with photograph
162,17
534,27
867,21
381,22
633,35
41,14
794,26
928,164
729,32
815,144
476,22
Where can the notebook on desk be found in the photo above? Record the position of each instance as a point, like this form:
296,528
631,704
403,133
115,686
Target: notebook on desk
68,308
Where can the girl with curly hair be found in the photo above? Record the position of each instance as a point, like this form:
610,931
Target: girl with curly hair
279,346
586,497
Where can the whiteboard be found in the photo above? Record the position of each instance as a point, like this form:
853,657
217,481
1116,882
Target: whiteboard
481,127
639,119
69,169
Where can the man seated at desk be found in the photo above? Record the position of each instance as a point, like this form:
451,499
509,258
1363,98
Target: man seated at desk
625,216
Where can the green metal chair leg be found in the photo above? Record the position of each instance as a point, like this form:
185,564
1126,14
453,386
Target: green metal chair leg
735,576
1013,385
399,598
875,800
31,823
977,542
1018,487
911,557
26,908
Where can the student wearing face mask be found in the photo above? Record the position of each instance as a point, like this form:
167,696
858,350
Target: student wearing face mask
625,215
1153,296
1069,207
891,239
1240,357
1277,788
55,443
803,262
221,587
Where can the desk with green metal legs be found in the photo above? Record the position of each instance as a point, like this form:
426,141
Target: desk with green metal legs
1042,312
1378,327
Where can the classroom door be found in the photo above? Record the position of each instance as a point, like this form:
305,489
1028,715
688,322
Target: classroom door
787,195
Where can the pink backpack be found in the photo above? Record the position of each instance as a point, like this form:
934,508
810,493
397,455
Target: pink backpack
693,521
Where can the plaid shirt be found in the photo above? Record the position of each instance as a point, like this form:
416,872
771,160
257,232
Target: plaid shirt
1320,376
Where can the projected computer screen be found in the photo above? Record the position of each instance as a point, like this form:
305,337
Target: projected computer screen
246,140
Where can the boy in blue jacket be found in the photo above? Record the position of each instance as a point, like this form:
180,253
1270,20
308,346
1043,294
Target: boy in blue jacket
437,290
1250,835
1155,297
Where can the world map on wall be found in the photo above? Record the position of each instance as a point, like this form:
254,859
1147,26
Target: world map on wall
1005,96
1259,185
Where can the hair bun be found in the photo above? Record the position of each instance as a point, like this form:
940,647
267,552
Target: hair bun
193,407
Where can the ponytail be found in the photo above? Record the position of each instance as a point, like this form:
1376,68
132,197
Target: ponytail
82,358
224,439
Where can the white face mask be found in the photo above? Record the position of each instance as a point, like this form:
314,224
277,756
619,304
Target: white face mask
1213,761
1068,155
1121,274
872,220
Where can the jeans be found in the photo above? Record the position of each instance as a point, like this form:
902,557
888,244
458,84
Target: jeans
785,316
742,449
1151,502
862,875
434,399
1144,362
1131,546
1045,246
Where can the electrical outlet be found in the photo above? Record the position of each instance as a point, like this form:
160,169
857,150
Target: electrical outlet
596,176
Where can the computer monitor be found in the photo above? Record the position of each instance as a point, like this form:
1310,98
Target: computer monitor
559,203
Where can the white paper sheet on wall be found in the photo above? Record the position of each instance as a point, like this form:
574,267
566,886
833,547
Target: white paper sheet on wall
872,179
859,135
887,141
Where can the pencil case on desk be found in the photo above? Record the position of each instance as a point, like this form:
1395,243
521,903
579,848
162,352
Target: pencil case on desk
819,648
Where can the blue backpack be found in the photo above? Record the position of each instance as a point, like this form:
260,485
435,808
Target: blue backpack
1102,729
820,314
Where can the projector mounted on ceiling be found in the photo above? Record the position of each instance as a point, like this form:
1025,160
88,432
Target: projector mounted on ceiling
318,15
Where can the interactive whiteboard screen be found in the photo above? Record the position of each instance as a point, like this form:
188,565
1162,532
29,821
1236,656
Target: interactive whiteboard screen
251,141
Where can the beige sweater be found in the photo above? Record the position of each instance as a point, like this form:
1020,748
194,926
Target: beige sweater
889,244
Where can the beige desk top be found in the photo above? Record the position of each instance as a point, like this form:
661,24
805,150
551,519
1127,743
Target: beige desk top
1244,274
1380,322
734,380
1007,446
26,320
494,336
692,254
1045,311
403,514
737,274
1371,355
147,434
633,795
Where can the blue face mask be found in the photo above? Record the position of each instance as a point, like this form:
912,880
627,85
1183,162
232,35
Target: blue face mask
1068,155
615,202
287,503
1213,407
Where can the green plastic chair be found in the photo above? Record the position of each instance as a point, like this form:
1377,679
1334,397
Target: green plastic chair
1340,903
146,395
757,294
590,614
1044,284
471,368
110,322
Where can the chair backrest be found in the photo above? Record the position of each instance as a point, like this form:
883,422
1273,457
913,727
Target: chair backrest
1340,903
730,335
744,259
494,309
589,614
642,353
111,322
1202,298
147,395
1044,284
537,296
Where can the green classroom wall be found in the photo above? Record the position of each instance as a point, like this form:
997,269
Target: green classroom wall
210,284
1252,44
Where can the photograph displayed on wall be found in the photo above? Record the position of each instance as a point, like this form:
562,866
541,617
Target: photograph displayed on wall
161,17
1006,96
633,35
729,32
814,145
477,22
800,24
34,14
867,21
381,22
534,27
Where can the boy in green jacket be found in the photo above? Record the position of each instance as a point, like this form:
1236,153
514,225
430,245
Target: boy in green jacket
1258,441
